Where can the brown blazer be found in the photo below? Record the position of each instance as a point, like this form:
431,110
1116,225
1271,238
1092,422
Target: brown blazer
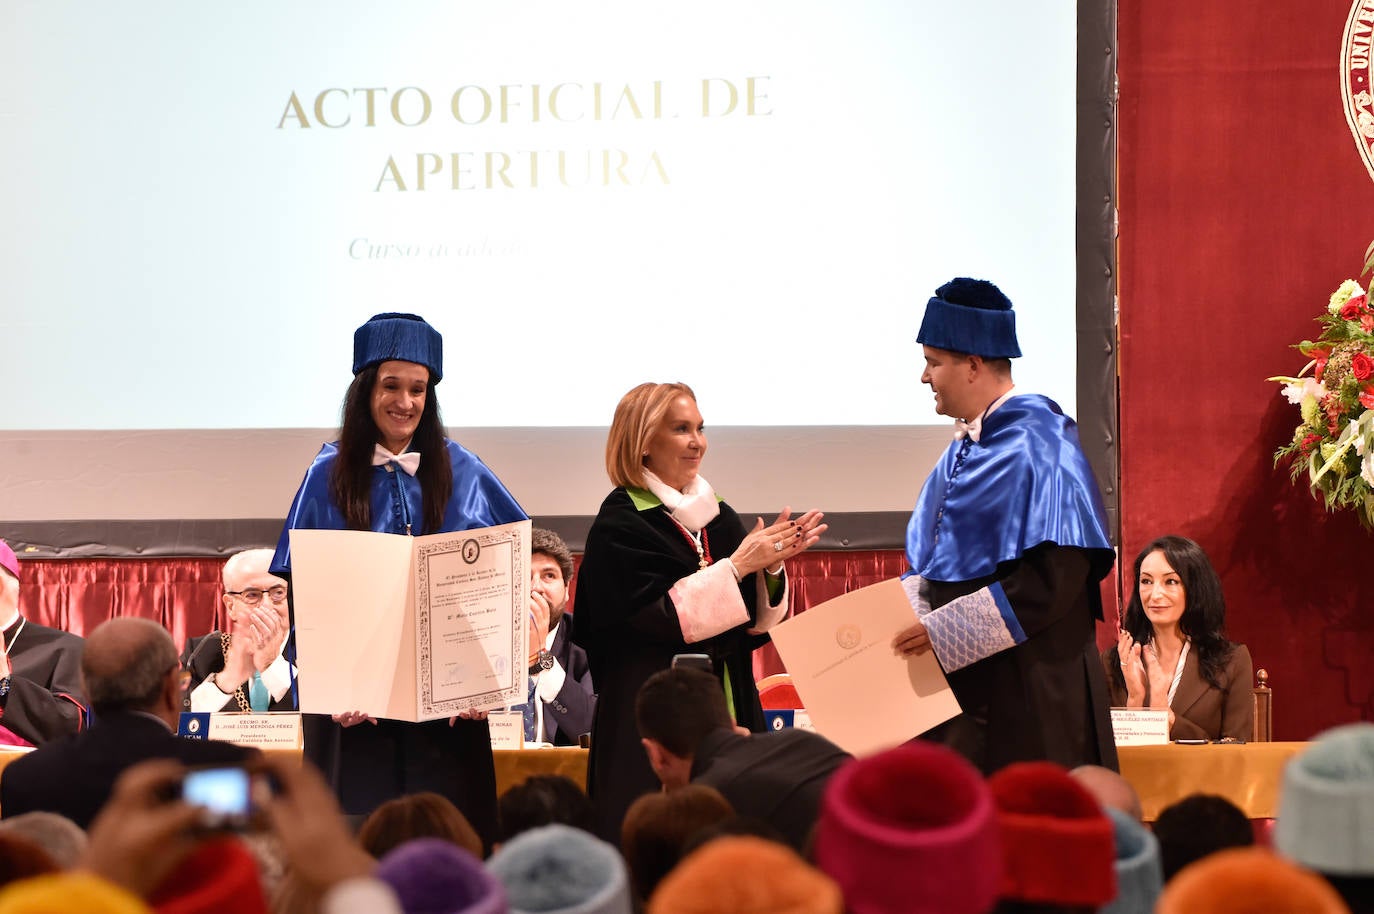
1202,711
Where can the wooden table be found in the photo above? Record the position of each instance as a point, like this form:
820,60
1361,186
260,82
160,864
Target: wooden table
1248,775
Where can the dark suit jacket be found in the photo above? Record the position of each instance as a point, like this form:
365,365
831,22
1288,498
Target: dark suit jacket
1201,710
571,711
777,776
47,700
74,776
202,661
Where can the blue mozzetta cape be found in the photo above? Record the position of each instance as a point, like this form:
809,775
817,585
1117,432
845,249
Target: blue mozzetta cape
1023,483
479,500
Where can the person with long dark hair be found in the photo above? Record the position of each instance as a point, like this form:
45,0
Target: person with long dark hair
670,569
393,470
1172,651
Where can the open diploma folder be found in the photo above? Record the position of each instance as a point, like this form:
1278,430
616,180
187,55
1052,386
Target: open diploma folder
859,695
411,628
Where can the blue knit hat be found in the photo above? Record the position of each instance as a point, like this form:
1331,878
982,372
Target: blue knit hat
405,337
1139,874
1326,807
971,316
557,868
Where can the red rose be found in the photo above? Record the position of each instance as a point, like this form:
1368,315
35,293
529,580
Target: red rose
1367,398
1362,366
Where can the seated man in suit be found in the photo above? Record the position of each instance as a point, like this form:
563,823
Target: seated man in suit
243,669
134,682
562,698
40,671
777,777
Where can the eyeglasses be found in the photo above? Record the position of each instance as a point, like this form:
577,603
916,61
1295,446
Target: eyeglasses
253,596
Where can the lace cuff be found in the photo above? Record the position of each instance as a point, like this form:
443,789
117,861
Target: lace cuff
708,602
972,627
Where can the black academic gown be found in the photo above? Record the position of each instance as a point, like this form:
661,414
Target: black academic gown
46,698
629,627
204,656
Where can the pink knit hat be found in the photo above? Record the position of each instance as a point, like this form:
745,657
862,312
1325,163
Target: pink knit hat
921,811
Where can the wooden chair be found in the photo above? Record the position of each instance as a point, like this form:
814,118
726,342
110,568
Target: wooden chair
1264,709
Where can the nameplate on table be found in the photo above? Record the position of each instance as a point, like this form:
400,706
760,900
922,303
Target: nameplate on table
1140,726
266,730
792,717
507,729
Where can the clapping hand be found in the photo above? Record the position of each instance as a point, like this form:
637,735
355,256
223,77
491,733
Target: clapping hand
768,546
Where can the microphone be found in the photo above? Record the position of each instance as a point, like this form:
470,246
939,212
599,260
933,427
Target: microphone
188,670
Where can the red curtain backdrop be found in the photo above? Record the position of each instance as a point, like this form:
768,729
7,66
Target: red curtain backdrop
1243,204
184,594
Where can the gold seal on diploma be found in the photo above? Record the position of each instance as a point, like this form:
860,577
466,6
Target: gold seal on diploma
847,636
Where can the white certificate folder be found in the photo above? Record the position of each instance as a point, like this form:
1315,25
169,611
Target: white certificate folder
411,628
859,695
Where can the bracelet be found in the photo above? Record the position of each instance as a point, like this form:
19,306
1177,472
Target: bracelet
775,574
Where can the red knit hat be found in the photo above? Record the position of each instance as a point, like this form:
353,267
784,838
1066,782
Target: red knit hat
1057,844
910,830
219,877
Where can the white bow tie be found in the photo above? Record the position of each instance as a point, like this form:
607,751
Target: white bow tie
971,429
409,461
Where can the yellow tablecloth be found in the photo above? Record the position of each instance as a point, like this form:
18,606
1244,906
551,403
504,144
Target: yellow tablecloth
1248,775
513,766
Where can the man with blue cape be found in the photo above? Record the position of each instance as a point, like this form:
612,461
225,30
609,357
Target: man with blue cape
1007,545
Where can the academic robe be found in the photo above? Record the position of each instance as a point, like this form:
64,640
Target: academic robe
46,698
203,657
629,625
369,764
1010,539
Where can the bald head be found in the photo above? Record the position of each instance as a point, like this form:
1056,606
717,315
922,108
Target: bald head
243,566
127,665
1110,789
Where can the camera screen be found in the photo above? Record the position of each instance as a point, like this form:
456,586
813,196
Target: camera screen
225,792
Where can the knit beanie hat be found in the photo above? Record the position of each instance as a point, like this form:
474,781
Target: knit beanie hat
63,893
557,868
1058,846
743,874
1326,808
218,877
970,316
919,810
434,876
1139,873
1248,880
404,337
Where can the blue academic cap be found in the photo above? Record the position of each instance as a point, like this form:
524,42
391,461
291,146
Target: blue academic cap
406,337
971,316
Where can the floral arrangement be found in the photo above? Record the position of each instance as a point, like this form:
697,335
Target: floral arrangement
1334,442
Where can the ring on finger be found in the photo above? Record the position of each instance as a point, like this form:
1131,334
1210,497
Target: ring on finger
777,546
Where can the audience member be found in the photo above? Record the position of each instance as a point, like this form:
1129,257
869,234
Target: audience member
747,875
1196,826
1247,880
1172,651
417,815
562,701
132,676
220,876
63,839
910,831
1110,789
1058,846
1326,812
735,826
22,858
562,870
657,827
243,669
41,697
1005,565
544,799
777,776
1139,877
434,876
